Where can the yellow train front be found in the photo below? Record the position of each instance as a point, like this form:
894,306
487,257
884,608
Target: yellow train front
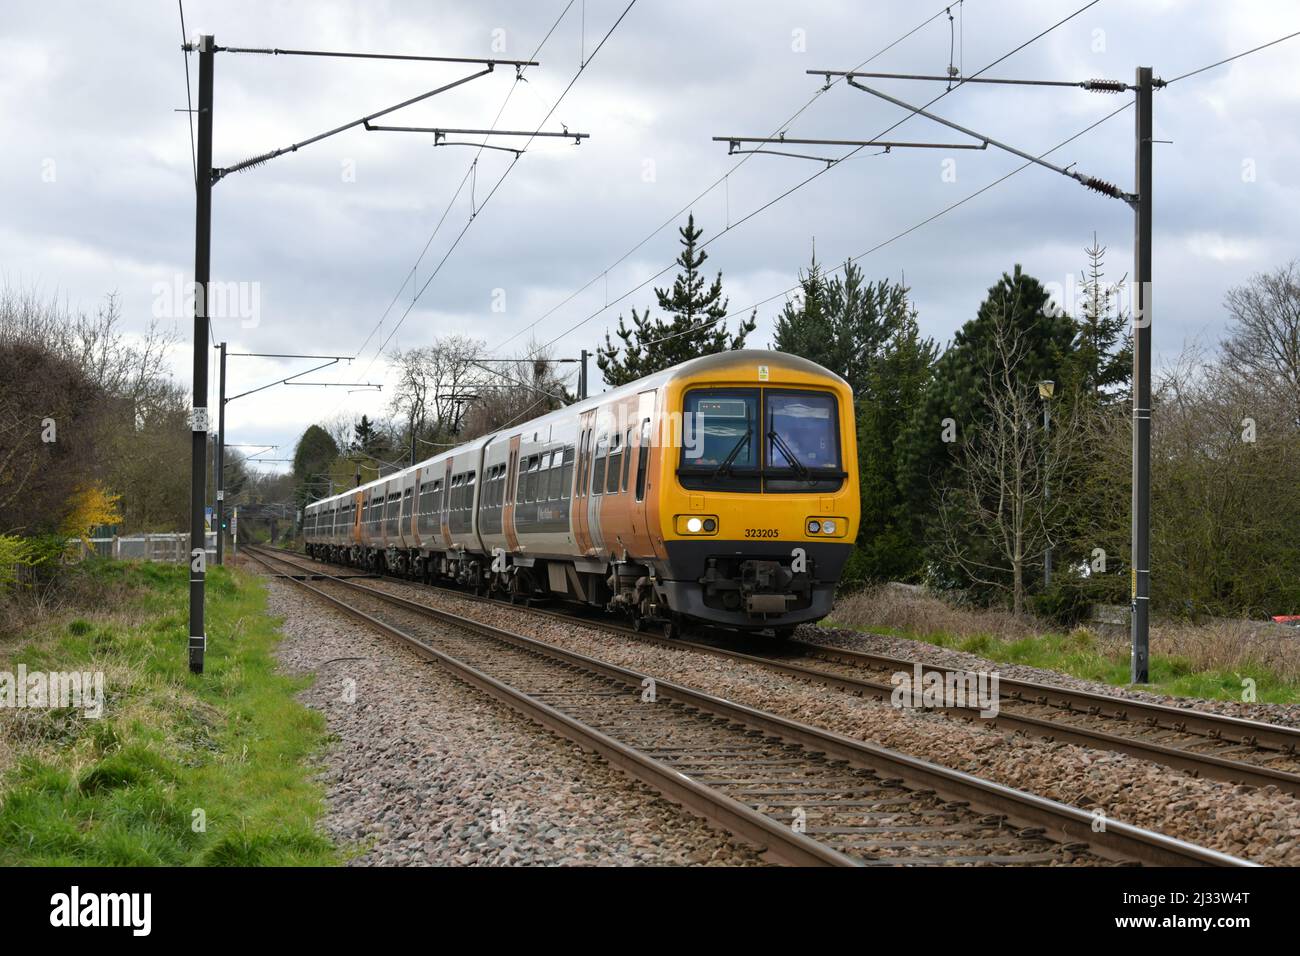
758,502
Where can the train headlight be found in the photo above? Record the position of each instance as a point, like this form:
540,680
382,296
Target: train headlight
823,527
696,524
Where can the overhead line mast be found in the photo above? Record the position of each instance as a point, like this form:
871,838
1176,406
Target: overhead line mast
206,176
1140,201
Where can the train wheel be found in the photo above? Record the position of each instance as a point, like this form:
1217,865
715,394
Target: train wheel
675,627
783,633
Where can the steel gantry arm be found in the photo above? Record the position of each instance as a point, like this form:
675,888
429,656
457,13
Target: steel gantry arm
1092,182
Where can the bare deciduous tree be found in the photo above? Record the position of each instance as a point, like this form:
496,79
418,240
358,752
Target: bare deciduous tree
1264,340
998,517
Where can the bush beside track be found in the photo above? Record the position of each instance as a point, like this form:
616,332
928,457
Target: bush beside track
123,789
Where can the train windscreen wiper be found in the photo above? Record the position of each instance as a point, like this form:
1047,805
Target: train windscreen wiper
799,467
726,463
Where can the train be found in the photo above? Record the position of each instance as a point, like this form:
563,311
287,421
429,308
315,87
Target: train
721,491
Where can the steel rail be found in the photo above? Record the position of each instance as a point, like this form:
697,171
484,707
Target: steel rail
1214,727
782,841
1117,841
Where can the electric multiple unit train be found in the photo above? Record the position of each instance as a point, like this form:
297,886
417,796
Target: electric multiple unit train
723,490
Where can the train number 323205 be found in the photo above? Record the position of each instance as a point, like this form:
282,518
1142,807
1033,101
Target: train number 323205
762,533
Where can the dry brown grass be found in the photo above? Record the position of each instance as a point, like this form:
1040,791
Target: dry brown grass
1226,645
1231,645
919,613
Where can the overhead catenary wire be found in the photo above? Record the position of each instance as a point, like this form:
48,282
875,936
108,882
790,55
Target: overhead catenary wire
189,101
497,184
721,180
984,189
820,172
906,232
1238,56
407,278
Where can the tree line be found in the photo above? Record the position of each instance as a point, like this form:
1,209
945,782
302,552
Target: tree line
978,458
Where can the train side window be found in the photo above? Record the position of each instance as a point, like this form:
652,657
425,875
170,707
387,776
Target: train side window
615,463
553,476
469,490
566,474
627,460
537,478
530,479
520,480
643,460
551,481
598,465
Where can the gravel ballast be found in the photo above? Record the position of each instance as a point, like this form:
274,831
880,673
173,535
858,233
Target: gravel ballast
426,770
1261,825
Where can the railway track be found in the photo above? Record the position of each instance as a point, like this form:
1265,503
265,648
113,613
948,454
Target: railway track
1214,746
806,795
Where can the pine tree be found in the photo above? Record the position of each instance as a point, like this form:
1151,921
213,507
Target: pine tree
956,401
841,323
312,457
896,383
364,436
696,327
1102,357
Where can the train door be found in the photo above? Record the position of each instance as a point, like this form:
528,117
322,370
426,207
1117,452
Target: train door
508,503
445,505
639,477
581,520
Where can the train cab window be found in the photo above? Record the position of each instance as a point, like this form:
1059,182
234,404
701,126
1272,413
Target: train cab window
598,465
615,467
566,473
643,460
801,445
721,441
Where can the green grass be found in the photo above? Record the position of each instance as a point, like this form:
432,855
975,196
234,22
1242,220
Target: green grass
231,748
1080,654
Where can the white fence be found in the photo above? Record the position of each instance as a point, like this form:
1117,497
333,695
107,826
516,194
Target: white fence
173,547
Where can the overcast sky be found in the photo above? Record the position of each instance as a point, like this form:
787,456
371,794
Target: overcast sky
97,192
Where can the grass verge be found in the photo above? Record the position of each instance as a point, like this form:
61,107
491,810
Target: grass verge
1211,661
179,770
